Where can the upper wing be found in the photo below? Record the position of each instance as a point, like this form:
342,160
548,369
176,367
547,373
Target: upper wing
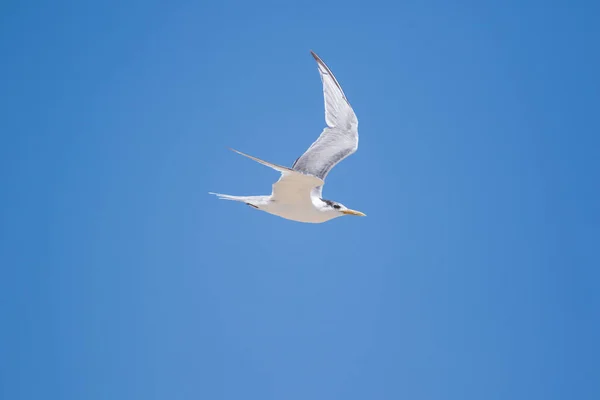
292,185
340,138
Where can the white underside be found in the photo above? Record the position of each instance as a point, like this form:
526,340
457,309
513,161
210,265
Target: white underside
301,211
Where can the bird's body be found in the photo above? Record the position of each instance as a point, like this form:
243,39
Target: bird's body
297,194
300,210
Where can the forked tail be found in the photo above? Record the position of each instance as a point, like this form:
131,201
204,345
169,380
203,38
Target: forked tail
228,197
253,201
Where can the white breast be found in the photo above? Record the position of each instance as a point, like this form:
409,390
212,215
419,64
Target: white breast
302,211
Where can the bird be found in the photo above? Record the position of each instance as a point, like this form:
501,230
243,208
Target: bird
297,195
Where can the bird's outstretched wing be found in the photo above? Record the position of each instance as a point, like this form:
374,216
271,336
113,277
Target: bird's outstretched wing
339,139
292,186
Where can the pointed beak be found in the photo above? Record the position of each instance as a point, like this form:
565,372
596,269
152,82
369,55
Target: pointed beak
354,212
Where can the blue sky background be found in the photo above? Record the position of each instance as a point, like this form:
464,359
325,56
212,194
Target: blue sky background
474,276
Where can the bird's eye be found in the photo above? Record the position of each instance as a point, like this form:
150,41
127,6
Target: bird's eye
336,206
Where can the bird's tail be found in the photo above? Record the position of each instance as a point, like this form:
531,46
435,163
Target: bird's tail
228,197
250,200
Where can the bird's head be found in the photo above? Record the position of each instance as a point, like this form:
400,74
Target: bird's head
339,208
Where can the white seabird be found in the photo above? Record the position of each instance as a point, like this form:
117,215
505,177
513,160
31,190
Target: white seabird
297,194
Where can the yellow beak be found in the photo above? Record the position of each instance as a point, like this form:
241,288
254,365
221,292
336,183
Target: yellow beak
353,212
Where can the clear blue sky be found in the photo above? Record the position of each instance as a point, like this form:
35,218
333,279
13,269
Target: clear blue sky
474,276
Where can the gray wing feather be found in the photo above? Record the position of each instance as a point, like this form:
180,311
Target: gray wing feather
339,139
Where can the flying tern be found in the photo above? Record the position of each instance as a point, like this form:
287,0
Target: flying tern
297,195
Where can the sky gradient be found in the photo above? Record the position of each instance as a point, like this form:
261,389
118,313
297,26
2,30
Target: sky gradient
474,276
